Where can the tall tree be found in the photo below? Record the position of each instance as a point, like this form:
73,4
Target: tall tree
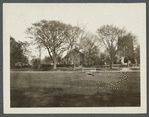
108,37
90,49
126,46
17,52
137,53
50,35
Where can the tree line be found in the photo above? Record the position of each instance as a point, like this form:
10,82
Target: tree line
57,37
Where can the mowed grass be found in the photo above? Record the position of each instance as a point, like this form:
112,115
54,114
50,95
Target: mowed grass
75,89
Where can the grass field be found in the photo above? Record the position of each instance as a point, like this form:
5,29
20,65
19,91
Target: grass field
74,89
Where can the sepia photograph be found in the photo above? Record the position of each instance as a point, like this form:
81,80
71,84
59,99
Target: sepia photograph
74,58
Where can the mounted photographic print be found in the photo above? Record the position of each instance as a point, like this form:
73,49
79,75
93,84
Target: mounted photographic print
74,58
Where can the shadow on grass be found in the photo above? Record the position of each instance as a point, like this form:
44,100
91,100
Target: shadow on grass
55,97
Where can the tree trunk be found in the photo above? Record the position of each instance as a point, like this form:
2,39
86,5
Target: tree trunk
111,61
73,59
39,66
111,64
54,63
74,63
74,66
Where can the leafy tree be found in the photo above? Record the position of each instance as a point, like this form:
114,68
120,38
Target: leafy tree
17,52
90,49
108,38
102,58
137,53
47,60
35,62
126,45
50,35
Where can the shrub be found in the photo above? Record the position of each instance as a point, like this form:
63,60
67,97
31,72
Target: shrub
36,63
64,65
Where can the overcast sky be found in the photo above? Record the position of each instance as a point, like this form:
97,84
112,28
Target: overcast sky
18,17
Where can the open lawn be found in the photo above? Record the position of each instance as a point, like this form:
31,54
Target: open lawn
74,89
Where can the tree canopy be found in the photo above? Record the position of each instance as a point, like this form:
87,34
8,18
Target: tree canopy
57,37
126,46
17,52
108,37
50,35
90,49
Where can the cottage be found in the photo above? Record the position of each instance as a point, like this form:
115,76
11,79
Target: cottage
74,57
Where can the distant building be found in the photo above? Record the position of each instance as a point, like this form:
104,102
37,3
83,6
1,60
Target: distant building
74,57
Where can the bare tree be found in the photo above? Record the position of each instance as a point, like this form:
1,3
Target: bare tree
108,37
50,35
